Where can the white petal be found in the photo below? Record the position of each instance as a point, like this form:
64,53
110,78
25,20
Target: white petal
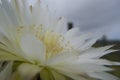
6,72
3,39
43,18
84,41
78,41
15,75
62,58
96,52
88,44
22,11
9,11
72,33
82,68
103,76
46,74
6,55
61,26
75,76
40,15
97,61
7,21
58,76
33,48
28,71
4,28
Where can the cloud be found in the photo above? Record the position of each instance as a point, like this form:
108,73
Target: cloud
90,15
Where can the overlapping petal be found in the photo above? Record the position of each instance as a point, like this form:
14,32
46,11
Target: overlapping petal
41,44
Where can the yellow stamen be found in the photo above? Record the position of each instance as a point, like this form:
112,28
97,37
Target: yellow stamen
51,41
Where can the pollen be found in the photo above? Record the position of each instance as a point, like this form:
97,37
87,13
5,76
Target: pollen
51,41
19,30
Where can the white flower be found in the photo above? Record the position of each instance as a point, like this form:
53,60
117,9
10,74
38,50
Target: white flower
34,42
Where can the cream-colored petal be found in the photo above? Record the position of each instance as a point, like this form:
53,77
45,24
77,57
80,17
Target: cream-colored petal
22,11
84,41
103,76
61,26
39,15
42,17
46,74
88,44
15,76
8,56
4,28
75,76
96,52
58,76
33,48
28,71
10,13
8,21
62,58
79,41
4,40
6,72
72,33
81,68
97,61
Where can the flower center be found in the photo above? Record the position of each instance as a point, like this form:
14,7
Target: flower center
51,41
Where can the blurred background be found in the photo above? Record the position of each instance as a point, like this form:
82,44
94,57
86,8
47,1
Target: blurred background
99,16
90,15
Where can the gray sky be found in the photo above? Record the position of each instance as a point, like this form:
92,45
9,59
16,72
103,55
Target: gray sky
90,15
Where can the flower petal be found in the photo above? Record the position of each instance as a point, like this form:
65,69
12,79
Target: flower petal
46,75
58,76
97,61
75,76
33,48
15,76
72,33
61,26
96,52
103,76
5,56
22,11
62,58
28,71
10,13
6,72
81,68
